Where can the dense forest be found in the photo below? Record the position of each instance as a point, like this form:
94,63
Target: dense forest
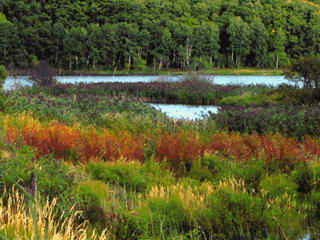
136,34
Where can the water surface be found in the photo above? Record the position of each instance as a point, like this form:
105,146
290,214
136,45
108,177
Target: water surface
218,79
11,83
186,112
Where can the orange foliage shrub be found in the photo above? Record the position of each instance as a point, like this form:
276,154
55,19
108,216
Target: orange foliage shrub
60,139
277,147
312,146
270,147
91,146
179,147
55,138
232,145
127,146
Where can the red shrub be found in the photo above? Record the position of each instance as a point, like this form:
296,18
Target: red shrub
91,146
179,147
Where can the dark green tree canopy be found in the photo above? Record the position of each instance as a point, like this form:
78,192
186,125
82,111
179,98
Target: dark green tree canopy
117,34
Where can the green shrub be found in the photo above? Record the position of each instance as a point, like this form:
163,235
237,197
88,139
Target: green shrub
315,203
52,175
303,177
286,218
233,215
277,185
220,168
92,193
251,172
17,169
140,64
201,63
92,198
294,121
200,172
132,176
3,75
251,99
161,217
315,169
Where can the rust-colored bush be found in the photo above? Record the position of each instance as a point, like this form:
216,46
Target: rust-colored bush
179,147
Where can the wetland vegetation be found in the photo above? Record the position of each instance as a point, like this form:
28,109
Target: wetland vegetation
112,167
96,160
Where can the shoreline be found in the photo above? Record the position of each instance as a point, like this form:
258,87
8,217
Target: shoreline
173,72
168,72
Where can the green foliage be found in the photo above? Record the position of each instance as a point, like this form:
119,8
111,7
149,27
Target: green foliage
3,72
315,201
242,213
92,193
241,216
3,75
132,176
85,108
3,18
303,177
315,169
251,172
140,64
200,172
117,35
305,70
18,170
201,63
220,168
276,185
52,175
161,217
252,99
239,32
92,197
295,121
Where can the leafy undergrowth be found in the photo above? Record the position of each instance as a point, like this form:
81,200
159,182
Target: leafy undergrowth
295,121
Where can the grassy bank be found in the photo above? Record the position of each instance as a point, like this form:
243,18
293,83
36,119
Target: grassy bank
216,71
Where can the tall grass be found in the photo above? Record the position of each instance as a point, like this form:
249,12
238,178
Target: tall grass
18,222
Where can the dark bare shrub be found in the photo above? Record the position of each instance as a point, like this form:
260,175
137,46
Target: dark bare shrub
43,74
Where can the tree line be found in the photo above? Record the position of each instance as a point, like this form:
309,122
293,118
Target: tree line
136,34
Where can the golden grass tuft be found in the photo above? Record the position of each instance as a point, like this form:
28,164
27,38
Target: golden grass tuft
27,220
191,197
